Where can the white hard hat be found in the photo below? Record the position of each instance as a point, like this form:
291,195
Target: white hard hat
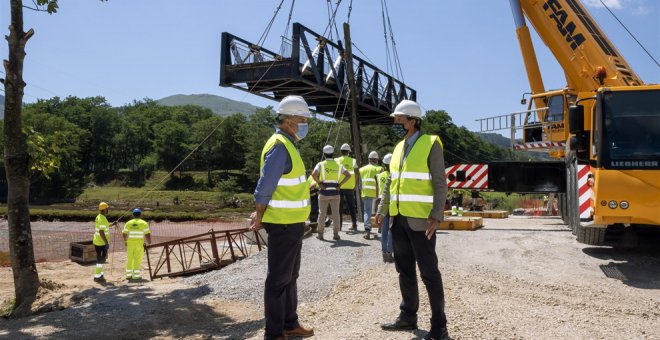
373,155
387,159
293,106
345,147
328,149
407,108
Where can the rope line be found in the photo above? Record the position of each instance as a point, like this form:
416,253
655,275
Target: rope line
632,35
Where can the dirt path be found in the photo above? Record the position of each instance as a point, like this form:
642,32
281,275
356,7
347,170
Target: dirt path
517,279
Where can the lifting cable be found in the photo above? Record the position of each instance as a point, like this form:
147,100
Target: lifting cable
632,35
363,54
388,58
350,9
332,19
332,13
397,62
262,39
286,28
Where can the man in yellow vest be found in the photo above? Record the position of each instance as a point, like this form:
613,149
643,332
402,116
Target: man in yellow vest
415,196
101,240
282,206
369,189
135,232
327,174
385,234
347,190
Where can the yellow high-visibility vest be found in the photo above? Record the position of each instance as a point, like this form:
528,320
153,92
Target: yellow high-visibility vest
329,173
411,189
368,175
136,229
382,179
349,164
100,223
290,201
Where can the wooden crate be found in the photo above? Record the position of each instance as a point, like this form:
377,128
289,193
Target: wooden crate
82,252
484,214
461,223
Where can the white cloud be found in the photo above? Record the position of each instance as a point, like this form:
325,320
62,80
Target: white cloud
637,7
612,4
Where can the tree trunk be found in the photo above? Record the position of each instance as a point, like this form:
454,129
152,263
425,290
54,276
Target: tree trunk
26,279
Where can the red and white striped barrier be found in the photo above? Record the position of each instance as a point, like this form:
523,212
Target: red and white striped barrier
475,175
539,145
585,191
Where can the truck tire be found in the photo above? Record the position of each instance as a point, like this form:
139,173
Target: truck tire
594,236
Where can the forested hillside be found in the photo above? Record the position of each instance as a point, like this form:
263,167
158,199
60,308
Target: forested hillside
77,142
220,105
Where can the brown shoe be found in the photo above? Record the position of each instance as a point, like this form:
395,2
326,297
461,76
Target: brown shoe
300,331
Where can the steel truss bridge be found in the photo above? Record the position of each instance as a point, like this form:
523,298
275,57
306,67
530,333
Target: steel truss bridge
311,66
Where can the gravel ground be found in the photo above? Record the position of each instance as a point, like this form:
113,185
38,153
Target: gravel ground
517,278
323,265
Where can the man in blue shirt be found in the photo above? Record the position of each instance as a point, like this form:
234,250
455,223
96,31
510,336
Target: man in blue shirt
282,206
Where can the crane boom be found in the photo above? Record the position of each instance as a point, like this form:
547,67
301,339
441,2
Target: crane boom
579,45
605,126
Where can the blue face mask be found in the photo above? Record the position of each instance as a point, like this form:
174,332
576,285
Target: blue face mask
303,128
399,130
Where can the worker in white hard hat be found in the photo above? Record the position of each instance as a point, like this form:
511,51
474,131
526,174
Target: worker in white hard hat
327,175
347,190
415,196
369,189
282,207
385,234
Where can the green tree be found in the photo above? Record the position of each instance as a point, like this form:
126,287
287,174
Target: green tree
169,143
210,151
254,134
24,270
232,152
55,154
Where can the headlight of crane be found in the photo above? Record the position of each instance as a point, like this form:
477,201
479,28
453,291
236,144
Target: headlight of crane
612,204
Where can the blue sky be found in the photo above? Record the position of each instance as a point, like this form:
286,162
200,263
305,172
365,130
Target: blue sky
461,56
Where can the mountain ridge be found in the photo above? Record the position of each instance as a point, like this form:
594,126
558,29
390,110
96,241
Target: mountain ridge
220,105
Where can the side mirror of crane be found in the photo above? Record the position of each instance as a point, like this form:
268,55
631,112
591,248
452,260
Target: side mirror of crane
576,119
523,101
580,145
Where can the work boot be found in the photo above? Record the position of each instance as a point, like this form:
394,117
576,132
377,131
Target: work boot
367,236
390,257
442,335
319,236
399,325
385,257
353,228
336,237
299,331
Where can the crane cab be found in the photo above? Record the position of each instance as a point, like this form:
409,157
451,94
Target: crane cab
549,121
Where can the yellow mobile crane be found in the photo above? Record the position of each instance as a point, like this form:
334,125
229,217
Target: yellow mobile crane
606,121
